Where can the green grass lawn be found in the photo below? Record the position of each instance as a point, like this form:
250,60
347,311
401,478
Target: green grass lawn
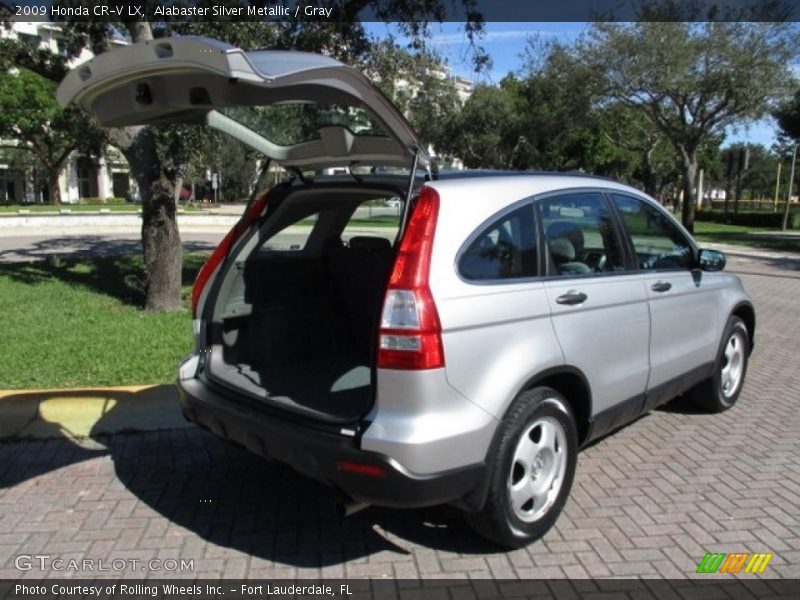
80,324
720,233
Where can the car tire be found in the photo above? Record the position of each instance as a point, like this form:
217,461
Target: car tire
721,391
532,471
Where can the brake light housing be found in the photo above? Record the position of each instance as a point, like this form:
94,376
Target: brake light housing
221,251
410,337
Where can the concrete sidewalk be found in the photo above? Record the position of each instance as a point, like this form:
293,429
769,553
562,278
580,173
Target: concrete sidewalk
86,412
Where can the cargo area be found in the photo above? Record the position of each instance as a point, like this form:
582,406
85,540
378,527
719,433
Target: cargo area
297,326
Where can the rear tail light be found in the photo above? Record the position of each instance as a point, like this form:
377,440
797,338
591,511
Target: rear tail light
410,332
221,251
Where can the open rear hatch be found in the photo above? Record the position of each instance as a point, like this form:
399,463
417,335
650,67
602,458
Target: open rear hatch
293,329
300,109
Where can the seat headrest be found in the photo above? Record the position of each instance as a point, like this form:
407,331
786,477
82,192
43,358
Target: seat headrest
370,244
565,229
562,250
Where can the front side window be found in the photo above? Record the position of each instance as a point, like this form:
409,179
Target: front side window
658,243
503,250
580,235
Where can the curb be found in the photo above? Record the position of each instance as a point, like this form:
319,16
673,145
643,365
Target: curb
78,413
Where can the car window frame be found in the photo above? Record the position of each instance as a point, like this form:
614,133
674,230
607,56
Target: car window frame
631,249
617,232
481,228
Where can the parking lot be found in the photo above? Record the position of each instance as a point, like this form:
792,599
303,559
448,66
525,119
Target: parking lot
648,501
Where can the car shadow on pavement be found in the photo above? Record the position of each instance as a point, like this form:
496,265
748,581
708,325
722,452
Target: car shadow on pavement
231,498
208,487
683,405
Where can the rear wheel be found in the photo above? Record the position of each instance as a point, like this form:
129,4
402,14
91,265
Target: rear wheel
533,470
721,390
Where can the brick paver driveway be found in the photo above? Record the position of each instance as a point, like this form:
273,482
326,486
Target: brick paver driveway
648,501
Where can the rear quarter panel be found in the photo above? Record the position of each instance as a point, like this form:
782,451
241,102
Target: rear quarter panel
496,336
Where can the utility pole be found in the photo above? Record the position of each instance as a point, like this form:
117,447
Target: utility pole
777,185
700,190
728,184
789,194
743,165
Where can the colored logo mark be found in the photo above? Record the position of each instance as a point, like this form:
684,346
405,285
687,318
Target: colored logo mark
720,562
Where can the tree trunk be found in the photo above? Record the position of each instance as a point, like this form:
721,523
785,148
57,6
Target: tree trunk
53,189
689,173
650,187
161,242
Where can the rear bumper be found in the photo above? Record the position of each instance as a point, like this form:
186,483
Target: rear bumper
318,453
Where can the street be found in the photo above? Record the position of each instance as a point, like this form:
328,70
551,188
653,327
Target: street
648,501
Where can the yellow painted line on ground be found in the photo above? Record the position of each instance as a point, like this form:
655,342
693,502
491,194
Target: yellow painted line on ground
99,389
88,412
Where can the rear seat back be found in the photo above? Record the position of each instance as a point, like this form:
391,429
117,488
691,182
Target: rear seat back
359,272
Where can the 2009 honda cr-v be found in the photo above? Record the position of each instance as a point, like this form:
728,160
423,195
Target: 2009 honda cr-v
461,353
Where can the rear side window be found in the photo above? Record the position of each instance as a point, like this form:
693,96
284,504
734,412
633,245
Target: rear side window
580,235
292,238
373,218
503,250
657,241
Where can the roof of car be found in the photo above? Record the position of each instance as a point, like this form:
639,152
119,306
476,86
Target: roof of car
538,181
465,173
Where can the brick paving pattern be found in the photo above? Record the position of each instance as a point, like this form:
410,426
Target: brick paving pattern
648,501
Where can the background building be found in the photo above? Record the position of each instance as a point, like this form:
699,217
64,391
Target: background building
83,177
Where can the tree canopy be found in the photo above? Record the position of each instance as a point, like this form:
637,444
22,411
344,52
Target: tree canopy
692,80
788,117
32,118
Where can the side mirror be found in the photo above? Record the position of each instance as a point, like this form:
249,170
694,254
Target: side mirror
711,260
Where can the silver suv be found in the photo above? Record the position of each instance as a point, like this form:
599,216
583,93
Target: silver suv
461,353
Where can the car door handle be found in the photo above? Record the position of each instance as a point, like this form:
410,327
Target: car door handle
661,286
572,297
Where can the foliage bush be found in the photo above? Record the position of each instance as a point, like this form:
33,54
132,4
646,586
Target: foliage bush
750,218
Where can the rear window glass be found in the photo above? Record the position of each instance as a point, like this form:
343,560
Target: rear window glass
580,235
319,231
292,238
290,124
503,250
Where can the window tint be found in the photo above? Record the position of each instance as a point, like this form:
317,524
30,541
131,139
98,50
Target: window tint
580,235
292,238
657,241
506,249
376,215
371,224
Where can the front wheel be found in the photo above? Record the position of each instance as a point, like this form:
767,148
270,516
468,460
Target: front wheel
722,389
532,472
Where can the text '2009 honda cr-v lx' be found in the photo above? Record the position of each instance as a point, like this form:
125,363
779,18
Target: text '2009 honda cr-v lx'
459,354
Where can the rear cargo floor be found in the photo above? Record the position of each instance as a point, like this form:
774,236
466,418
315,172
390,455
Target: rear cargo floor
336,385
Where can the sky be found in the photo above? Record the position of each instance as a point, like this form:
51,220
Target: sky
505,43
